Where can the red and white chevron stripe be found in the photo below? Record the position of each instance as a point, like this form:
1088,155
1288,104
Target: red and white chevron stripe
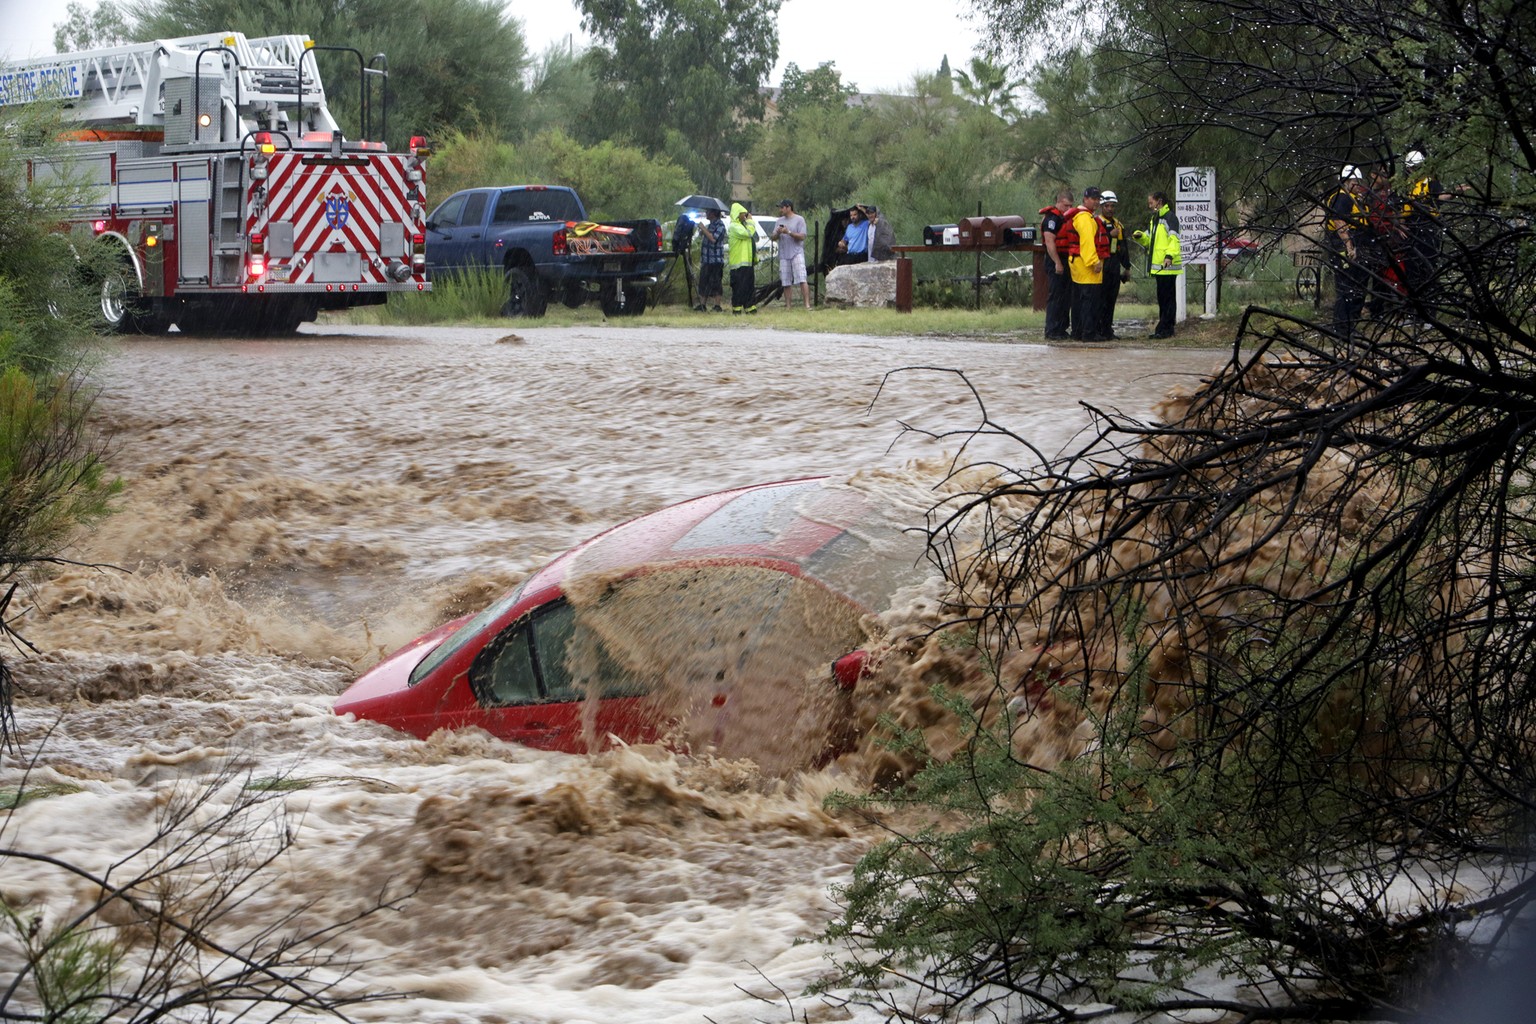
366,193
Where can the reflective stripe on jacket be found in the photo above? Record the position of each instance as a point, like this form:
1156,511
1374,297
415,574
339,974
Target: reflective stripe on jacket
1162,241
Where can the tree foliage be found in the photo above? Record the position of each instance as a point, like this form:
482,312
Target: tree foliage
52,476
990,85
560,92
928,157
615,182
822,86
87,29
681,78
1247,687
449,60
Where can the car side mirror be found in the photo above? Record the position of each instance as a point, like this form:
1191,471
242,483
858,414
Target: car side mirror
850,668
431,225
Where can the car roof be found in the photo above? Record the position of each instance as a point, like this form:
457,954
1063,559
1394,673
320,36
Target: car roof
805,526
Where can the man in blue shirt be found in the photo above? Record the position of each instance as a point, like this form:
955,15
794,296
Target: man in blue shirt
854,247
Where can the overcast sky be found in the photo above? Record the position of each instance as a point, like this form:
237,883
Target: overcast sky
877,44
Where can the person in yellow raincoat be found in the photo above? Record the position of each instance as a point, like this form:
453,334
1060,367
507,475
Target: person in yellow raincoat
741,257
1087,252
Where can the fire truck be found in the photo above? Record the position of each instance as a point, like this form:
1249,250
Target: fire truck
224,194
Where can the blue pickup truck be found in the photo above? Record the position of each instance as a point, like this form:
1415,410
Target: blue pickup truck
539,236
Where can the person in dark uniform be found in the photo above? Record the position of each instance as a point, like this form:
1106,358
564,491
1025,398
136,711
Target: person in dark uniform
1344,236
1058,295
1421,222
1117,268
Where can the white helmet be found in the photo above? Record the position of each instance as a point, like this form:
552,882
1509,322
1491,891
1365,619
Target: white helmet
1350,171
1413,158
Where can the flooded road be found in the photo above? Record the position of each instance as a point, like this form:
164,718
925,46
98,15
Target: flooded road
294,510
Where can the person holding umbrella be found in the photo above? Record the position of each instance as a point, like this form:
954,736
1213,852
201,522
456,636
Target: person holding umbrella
682,237
711,261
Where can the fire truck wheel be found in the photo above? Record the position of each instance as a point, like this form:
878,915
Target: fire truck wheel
525,295
123,310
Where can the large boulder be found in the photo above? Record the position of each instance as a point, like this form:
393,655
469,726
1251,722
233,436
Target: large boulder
863,285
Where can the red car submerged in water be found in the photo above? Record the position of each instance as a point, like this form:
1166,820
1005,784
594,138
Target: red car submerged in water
713,624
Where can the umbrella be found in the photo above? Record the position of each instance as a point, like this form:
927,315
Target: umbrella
702,203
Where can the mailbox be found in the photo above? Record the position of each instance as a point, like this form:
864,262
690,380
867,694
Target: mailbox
941,234
987,232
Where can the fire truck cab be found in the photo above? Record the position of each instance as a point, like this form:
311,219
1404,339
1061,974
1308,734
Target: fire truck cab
225,193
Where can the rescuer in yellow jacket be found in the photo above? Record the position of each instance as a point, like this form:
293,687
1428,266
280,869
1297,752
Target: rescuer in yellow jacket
1088,245
741,257
1165,260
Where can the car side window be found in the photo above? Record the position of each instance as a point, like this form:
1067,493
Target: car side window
503,672
573,660
474,210
447,215
548,656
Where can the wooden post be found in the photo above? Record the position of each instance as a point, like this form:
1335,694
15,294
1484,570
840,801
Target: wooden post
903,284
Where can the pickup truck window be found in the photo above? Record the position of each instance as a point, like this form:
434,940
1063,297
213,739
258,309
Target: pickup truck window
474,210
518,205
448,215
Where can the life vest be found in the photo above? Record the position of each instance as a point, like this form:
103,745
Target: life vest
1068,241
1051,211
1352,220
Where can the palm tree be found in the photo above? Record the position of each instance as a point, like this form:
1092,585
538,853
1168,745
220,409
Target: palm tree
988,86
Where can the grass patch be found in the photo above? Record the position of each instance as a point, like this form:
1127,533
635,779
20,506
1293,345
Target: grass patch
475,299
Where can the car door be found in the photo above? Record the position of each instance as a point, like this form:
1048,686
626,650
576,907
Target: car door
533,679
456,233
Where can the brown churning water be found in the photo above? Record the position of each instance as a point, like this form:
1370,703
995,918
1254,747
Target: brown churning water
296,510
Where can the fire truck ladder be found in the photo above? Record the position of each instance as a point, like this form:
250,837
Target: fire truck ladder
202,90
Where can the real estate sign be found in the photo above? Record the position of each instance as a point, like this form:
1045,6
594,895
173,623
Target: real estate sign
1195,206
1194,203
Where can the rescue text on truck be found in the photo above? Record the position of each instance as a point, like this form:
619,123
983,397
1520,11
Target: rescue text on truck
224,194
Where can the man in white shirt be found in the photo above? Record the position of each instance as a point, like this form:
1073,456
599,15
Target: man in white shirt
789,232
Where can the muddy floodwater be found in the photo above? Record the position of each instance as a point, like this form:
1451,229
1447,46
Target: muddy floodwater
294,510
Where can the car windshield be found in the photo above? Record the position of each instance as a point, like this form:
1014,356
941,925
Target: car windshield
459,637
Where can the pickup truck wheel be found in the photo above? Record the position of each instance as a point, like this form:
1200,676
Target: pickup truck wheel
525,295
573,296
